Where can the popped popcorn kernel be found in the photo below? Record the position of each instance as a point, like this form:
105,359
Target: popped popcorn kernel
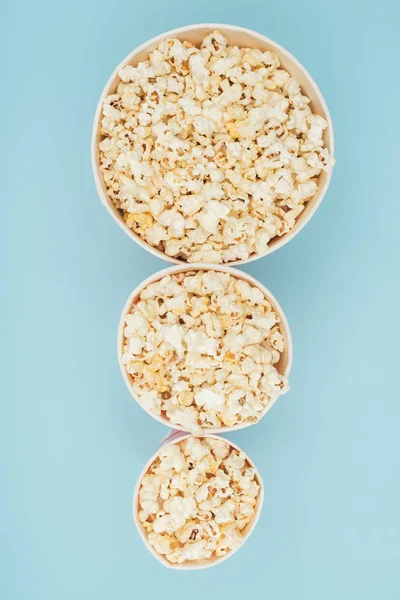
139,222
210,153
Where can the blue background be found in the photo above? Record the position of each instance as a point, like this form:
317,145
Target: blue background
74,441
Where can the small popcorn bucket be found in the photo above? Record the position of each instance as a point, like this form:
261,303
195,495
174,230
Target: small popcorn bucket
283,366
175,437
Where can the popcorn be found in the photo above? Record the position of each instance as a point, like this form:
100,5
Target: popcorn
200,349
210,153
197,501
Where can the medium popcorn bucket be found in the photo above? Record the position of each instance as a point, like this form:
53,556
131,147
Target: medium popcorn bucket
176,437
283,366
243,38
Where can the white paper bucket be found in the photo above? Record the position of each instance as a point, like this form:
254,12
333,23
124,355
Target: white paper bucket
174,437
283,366
242,38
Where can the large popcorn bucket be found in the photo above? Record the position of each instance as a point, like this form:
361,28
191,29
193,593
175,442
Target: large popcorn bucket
283,366
242,38
176,437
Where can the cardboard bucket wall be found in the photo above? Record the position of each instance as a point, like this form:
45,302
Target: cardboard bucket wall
283,366
174,437
244,38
